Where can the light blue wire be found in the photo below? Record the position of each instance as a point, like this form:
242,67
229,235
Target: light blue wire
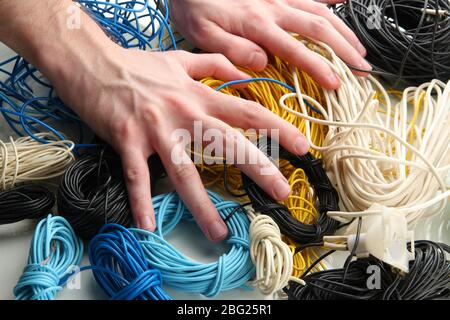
55,249
231,270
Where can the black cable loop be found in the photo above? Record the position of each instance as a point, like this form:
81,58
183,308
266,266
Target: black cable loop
428,278
328,199
409,46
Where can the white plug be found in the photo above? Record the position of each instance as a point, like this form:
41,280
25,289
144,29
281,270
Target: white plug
384,236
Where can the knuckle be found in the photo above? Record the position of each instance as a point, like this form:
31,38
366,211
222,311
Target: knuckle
252,114
319,25
183,173
256,18
131,175
321,10
120,130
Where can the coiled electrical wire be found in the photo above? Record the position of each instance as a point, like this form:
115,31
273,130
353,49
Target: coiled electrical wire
28,201
428,278
120,268
92,193
232,270
407,40
28,101
327,199
54,251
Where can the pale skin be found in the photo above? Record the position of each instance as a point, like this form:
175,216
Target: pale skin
134,99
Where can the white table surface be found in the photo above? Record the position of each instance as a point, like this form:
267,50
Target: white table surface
186,237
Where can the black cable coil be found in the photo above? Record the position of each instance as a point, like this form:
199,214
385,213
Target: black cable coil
428,278
92,193
27,201
327,199
404,42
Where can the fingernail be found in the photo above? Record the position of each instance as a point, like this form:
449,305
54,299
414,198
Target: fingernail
364,65
281,189
362,51
258,60
334,80
301,146
146,223
217,230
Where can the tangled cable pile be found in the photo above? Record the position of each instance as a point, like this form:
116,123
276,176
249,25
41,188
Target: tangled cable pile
405,40
265,87
374,152
25,160
27,99
120,268
428,278
55,249
232,270
92,193
27,201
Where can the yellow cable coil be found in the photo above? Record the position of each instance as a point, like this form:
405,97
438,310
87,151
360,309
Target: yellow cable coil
302,201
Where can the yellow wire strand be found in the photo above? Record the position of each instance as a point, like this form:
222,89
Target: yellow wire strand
302,201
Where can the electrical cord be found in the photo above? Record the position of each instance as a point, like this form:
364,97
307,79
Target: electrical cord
232,270
55,249
25,160
272,257
120,268
92,193
28,201
427,279
327,199
374,151
265,87
406,40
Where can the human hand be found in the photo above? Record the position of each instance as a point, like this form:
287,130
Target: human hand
135,100
240,29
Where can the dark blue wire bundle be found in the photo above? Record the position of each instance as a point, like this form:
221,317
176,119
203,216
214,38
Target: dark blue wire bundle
122,19
231,270
55,249
120,268
28,101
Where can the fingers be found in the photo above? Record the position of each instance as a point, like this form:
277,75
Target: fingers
322,10
283,45
250,160
189,186
319,28
214,65
239,50
137,179
245,114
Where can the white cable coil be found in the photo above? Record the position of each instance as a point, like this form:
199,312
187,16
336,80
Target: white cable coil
368,149
26,159
271,256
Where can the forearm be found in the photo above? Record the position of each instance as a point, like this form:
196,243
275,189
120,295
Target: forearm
43,33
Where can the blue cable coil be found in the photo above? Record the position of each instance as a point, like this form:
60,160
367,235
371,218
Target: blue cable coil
120,268
55,250
134,263
232,270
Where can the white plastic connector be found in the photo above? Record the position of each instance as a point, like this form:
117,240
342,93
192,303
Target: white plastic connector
384,236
